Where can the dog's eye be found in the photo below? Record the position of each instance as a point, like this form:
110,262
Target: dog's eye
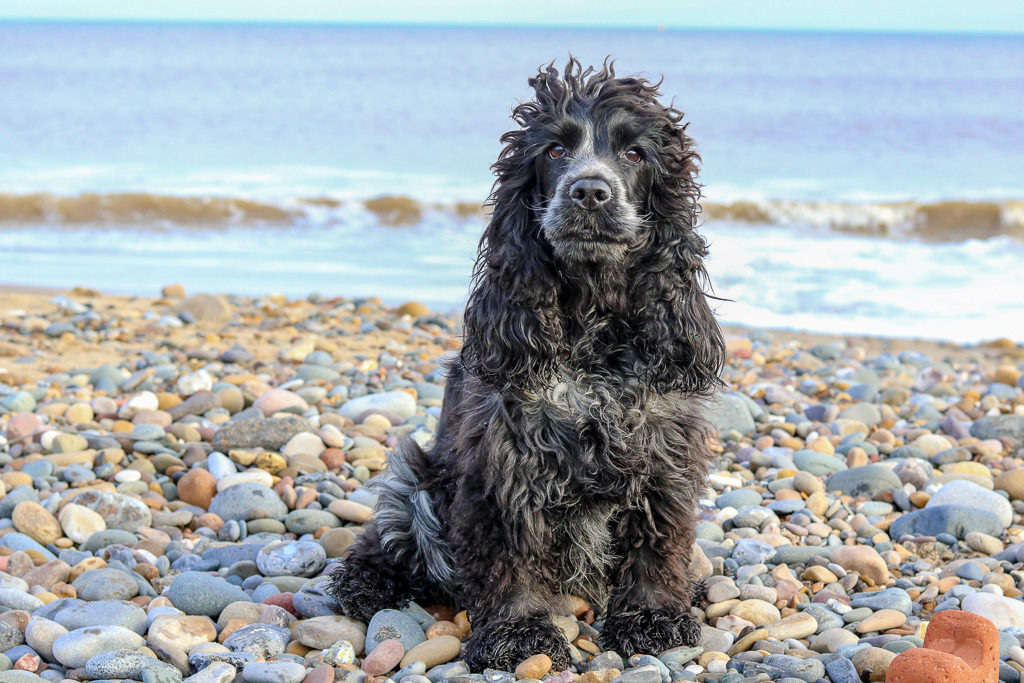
556,151
632,155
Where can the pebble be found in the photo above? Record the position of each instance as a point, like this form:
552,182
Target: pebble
968,494
291,558
202,594
273,672
439,650
75,648
384,657
392,624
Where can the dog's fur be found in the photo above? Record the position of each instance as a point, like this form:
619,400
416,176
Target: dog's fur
571,448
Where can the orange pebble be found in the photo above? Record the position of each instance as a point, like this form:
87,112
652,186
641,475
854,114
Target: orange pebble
971,637
921,665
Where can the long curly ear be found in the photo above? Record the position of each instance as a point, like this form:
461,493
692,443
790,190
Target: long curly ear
678,340
511,326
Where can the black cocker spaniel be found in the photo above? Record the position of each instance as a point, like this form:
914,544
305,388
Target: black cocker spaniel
571,449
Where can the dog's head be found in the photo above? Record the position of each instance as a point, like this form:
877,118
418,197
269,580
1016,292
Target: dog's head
597,150
591,246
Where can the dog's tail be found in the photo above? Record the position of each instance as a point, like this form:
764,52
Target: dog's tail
406,520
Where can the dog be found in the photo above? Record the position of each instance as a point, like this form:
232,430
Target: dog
572,447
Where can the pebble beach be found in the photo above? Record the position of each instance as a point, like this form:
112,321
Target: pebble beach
180,473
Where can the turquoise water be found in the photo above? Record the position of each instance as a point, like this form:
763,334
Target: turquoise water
865,183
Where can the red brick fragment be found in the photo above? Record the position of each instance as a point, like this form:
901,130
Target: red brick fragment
921,665
971,637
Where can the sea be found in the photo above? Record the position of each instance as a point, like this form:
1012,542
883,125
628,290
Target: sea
853,183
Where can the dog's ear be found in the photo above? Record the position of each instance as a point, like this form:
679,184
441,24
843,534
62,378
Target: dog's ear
678,340
511,326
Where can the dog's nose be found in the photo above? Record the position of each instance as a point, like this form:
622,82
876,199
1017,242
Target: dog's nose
590,194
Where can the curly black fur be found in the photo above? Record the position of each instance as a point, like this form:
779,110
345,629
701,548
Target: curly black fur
571,449
503,645
648,631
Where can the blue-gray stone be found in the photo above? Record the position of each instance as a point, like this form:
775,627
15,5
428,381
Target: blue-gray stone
19,541
1009,427
392,624
38,468
201,660
972,571
809,669
728,412
123,664
750,551
307,521
202,594
248,501
109,612
890,598
605,660
816,463
227,555
842,670
443,672
261,640
640,674
709,531
105,584
273,672
738,498
799,554
866,480
955,520
786,507
825,617
15,496
18,402
310,601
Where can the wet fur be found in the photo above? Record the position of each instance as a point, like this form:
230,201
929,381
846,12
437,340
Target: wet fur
571,449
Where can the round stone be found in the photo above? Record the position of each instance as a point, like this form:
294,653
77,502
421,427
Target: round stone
75,648
862,559
79,522
105,584
33,520
322,632
198,593
248,501
197,487
384,658
109,612
433,652
291,558
391,624
274,672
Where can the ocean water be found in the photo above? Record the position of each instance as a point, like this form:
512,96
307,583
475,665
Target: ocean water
853,183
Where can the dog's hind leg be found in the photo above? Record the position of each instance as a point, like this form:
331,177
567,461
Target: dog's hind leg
402,554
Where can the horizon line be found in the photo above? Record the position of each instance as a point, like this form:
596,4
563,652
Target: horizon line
1009,33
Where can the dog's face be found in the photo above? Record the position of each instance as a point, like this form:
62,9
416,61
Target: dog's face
594,169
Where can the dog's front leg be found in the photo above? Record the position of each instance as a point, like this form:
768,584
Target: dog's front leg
649,608
510,595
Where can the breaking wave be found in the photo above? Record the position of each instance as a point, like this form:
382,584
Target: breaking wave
942,221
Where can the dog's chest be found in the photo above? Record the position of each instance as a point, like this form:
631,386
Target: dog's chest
594,430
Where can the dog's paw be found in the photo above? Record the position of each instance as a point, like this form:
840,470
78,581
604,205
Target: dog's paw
648,631
503,645
359,593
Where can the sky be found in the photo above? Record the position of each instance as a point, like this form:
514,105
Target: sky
942,16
